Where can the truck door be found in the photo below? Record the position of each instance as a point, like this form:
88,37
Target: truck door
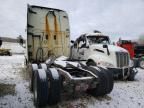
82,50
74,48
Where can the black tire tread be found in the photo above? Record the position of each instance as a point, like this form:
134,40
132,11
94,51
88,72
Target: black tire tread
42,89
54,89
105,85
110,79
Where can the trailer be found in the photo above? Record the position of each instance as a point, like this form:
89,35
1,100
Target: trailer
52,71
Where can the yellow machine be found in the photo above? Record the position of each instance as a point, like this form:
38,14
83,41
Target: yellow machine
4,51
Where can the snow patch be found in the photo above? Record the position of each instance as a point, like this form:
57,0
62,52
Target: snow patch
54,73
42,74
62,58
61,63
15,47
43,66
34,67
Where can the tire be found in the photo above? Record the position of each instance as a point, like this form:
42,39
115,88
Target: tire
141,64
55,86
110,79
43,66
34,68
104,86
90,63
40,87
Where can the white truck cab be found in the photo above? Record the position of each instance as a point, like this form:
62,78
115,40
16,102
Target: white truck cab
96,49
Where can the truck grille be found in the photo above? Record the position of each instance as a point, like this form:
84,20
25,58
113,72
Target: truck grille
122,59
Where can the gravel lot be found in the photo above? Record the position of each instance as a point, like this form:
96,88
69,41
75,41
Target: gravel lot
14,90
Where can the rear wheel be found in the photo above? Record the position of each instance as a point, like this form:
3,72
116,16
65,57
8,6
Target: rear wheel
43,66
109,77
105,82
34,68
55,86
141,64
40,88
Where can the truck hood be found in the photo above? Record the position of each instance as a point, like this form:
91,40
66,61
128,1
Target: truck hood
102,54
112,48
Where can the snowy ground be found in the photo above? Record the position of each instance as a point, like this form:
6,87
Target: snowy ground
15,47
14,83
14,90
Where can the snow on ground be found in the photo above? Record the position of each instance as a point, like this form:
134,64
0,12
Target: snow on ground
125,94
14,83
15,47
14,90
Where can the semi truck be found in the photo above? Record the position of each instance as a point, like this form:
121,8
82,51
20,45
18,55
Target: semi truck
96,50
52,71
135,50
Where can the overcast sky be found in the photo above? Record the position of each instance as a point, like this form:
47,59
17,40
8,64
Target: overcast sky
117,18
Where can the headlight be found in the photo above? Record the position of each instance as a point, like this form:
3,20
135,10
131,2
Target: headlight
131,63
106,64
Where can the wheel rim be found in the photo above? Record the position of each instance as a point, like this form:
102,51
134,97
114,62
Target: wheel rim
142,64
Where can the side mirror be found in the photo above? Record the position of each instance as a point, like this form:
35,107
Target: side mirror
105,46
72,41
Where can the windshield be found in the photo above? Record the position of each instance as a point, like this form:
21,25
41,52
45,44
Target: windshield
98,40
